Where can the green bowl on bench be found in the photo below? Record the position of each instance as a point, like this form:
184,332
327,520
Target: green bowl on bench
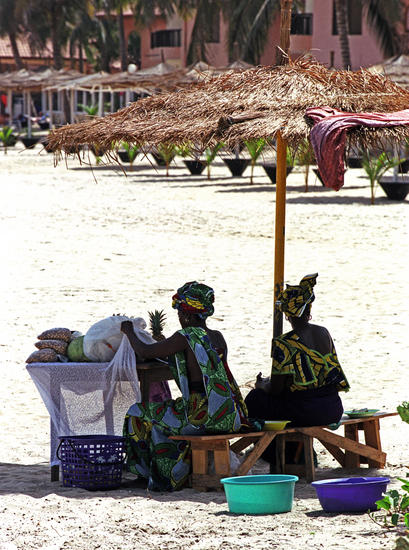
361,413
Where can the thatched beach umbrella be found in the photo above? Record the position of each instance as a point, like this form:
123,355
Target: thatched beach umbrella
395,68
245,105
267,102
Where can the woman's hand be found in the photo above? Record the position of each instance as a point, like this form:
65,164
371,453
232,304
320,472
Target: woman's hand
127,327
263,383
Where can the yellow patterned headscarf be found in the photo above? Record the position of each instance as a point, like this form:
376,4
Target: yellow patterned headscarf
294,299
196,298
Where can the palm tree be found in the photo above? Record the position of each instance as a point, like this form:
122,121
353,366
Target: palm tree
381,17
249,23
83,28
341,15
116,7
52,20
9,26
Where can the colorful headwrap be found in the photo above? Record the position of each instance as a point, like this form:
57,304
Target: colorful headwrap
194,298
294,299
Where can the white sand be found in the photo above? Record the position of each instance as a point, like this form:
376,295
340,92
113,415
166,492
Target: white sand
75,251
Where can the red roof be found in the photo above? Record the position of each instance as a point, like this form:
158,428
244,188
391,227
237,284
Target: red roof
25,52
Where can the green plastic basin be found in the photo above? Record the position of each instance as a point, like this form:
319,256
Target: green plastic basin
260,494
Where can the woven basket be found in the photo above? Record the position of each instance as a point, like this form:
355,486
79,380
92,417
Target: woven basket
92,462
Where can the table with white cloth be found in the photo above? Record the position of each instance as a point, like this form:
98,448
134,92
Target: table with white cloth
89,399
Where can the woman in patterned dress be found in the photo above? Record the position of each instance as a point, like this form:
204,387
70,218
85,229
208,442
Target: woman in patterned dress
306,376
211,401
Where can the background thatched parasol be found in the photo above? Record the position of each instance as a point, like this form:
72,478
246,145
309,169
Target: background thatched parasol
244,105
395,68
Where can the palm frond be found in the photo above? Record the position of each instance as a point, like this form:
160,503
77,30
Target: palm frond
382,17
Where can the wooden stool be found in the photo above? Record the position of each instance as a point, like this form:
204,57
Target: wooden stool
219,445
305,442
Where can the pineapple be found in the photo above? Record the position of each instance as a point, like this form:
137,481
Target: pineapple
156,323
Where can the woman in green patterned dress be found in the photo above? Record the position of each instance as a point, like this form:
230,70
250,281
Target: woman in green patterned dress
211,401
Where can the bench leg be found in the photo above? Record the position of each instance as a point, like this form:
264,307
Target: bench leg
373,439
255,454
279,466
307,469
199,467
352,460
222,460
202,480
309,459
55,473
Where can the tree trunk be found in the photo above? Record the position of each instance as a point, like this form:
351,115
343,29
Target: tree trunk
341,11
81,60
16,53
122,43
285,31
56,24
306,174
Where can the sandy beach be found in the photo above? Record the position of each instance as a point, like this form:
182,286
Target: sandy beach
79,245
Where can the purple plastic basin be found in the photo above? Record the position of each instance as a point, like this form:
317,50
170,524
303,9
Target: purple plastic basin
350,494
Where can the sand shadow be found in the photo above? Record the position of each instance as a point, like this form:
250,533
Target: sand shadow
34,480
338,199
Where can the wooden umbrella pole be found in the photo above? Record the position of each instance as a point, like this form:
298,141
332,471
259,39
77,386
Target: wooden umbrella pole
282,59
279,230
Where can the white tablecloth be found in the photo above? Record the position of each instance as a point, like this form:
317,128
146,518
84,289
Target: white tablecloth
83,398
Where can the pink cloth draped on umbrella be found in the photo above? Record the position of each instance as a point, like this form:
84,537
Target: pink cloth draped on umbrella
328,137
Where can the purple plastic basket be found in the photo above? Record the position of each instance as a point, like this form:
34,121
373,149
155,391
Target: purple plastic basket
92,462
351,494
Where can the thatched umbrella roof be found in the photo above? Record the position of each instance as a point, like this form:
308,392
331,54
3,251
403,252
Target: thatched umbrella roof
244,105
80,82
26,80
395,68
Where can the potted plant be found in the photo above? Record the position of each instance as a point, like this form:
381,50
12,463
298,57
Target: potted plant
129,154
29,141
194,165
304,156
318,174
270,168
210,155
236,165
354,161
98,150
395,189
7,137
44,143
90,110
164,154
255,148
375,168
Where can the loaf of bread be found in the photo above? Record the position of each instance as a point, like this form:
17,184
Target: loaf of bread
57,345
46,355
56,334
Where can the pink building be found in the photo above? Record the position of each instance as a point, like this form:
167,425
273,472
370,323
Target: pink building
313,31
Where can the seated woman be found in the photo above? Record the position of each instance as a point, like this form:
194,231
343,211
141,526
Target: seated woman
211,401
306,375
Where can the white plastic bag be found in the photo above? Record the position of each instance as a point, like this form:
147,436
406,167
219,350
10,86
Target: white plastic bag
235,462
123,367
103,339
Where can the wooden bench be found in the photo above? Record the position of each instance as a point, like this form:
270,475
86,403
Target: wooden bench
347,449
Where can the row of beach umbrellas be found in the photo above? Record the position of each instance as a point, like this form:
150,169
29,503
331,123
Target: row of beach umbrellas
163,77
